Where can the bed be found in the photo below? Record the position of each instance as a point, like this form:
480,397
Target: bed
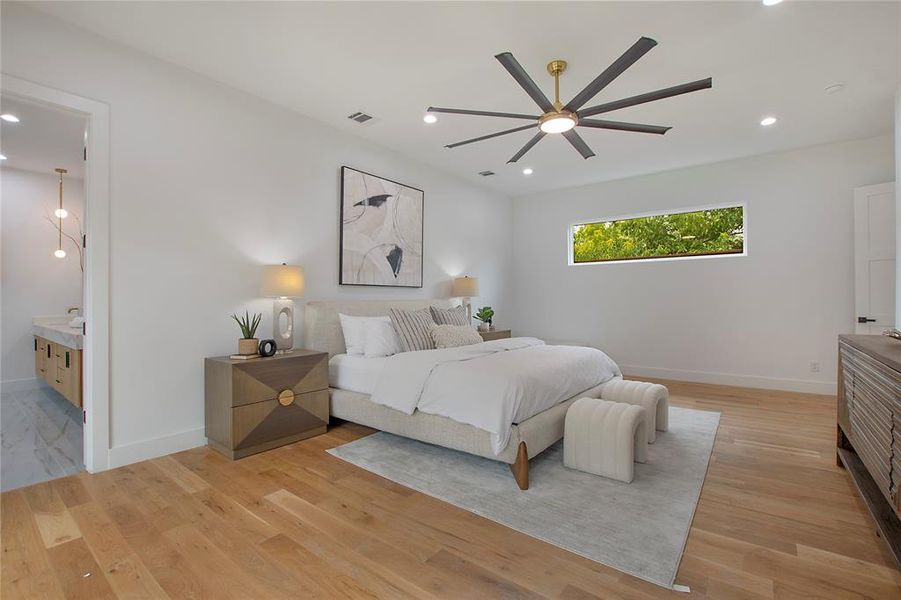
527,439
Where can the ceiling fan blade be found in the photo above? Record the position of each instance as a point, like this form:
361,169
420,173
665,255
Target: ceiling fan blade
480,113
522,78
676,90
620,126
490,135
578,143
527,147
629,57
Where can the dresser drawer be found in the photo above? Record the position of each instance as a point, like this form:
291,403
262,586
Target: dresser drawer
269,424
262,379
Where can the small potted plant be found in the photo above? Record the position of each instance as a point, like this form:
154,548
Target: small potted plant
485,314
248,344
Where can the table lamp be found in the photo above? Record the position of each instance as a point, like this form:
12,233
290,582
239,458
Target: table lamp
466,287
283,282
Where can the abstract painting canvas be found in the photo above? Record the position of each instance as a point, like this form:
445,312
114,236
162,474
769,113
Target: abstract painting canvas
381,231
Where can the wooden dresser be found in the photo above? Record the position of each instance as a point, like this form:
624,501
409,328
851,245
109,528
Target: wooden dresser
869,427
262,403
495,334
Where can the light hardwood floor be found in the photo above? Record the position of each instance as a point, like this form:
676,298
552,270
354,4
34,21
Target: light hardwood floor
776,519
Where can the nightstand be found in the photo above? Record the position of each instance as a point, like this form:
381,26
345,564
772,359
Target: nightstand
495,334
261,403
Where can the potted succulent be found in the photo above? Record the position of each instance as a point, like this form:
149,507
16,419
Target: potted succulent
485,314
248,344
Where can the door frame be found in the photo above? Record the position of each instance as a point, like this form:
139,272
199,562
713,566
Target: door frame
860,283
96,367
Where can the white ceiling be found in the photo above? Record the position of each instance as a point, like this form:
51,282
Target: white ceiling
44,139
392,60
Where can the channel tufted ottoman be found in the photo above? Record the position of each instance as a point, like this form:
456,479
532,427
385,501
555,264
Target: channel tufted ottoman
605,438
653,397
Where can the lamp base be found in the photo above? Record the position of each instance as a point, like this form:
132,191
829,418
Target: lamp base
283,330
468,305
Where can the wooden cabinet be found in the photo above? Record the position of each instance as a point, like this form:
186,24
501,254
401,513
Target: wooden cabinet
495,334
262,403
869,426
60,367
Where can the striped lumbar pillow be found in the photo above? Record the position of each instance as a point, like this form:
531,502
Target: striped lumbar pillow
414,328
449,316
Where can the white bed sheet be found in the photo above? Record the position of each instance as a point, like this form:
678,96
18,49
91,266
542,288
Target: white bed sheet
355,373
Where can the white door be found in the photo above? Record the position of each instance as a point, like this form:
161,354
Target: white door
874,257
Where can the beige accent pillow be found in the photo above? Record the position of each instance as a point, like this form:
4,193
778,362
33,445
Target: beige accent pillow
452,336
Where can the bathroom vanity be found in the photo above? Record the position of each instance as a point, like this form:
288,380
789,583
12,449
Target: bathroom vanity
58,356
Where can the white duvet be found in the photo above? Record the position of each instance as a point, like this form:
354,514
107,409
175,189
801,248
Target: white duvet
491,385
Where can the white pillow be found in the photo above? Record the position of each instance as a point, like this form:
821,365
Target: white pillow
354,330
452,336
381,338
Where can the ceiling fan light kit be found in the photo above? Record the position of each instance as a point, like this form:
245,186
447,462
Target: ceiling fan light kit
564,118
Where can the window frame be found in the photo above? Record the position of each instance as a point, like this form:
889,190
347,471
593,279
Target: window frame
651,259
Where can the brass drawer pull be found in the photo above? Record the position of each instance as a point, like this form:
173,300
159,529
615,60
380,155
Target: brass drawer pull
286,397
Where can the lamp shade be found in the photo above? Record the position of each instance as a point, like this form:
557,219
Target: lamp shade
465,287
282,281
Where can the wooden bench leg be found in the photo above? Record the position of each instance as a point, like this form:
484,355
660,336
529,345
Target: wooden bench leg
521,467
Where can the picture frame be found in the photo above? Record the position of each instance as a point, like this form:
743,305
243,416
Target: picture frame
381,231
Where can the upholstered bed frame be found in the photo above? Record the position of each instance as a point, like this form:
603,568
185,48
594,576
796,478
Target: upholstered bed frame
322,331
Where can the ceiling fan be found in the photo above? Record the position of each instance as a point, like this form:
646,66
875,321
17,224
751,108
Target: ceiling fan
560,118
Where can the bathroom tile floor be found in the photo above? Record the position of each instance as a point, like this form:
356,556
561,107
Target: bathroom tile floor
40,437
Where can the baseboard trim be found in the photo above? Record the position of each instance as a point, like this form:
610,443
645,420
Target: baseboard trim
749,381
127,454
23,385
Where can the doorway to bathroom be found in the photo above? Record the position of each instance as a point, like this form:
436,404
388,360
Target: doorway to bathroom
54,368
42,186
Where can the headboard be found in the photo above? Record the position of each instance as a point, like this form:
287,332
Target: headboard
322,328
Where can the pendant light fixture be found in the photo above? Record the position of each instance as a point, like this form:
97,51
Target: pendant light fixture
61,214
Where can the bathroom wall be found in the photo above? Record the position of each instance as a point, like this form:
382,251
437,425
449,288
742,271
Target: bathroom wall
34,282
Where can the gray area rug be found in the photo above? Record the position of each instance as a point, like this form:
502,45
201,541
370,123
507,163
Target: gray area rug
639,528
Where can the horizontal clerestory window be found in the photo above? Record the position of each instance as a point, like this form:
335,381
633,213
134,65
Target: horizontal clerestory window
707,232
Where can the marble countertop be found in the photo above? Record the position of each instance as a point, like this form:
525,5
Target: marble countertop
56,329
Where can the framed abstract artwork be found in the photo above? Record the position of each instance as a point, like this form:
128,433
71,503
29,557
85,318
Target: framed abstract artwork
381,231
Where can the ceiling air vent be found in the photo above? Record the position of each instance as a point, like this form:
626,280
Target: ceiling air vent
486,173
360,117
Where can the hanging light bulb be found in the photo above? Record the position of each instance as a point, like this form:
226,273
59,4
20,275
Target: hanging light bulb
61,213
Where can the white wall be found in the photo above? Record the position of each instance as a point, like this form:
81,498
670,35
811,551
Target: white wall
898,209
207,184
34,282
757,320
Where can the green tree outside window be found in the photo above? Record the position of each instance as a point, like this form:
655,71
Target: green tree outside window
698,233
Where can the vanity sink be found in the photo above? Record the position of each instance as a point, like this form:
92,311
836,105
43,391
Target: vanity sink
57,329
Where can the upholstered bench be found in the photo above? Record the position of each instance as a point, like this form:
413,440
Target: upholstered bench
605,438
653,397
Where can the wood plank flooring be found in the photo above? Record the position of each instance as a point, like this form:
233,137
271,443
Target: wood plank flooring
776,519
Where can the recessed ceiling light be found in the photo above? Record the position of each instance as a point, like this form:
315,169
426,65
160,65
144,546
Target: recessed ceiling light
2,157
9,118
767,121
771,2
527,171
430,118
